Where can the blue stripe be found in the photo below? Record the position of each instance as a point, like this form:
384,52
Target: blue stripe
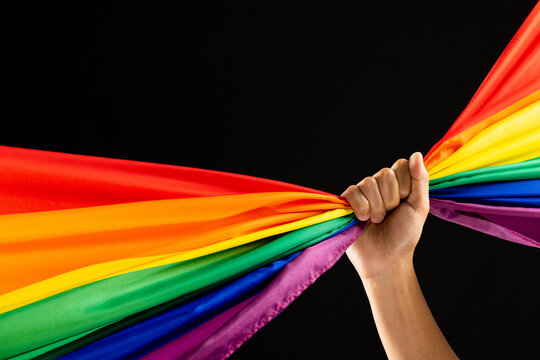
150,334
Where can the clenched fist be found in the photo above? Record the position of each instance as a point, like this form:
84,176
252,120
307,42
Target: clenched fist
396,202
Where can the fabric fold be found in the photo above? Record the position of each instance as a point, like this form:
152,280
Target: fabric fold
106,257
218,338
107,301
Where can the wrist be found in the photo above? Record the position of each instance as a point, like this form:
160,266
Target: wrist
383,268
396,271
397,284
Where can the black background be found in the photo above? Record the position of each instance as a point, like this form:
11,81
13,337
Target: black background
317,95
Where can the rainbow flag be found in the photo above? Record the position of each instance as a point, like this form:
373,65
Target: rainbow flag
123,259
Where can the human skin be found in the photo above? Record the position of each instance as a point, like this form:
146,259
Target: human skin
395,201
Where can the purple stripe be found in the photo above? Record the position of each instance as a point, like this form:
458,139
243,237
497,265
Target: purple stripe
220,336
177,348
517,224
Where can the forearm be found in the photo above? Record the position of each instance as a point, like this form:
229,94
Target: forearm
396,201
405,324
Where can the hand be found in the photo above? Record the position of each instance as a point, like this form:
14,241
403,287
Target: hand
395,200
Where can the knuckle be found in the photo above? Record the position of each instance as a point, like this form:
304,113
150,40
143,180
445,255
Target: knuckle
393,203
363,205
378,213
404,190
361,213
387,172
367,182
349,191
401,163
361,209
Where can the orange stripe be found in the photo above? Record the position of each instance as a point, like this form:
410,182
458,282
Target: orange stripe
37,246
451,145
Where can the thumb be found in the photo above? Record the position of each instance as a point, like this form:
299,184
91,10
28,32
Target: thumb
419,196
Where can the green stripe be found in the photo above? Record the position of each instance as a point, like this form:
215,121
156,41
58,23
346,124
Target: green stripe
94,305
524,170
33,354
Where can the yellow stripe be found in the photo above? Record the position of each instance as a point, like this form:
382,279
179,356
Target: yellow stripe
448,147
82,276
511,140
37,246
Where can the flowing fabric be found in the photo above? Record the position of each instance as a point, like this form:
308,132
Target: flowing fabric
517,224
119,259
512,84
516,193
520,171
149,334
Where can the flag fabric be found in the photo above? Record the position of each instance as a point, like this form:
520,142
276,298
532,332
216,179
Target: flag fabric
123,259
